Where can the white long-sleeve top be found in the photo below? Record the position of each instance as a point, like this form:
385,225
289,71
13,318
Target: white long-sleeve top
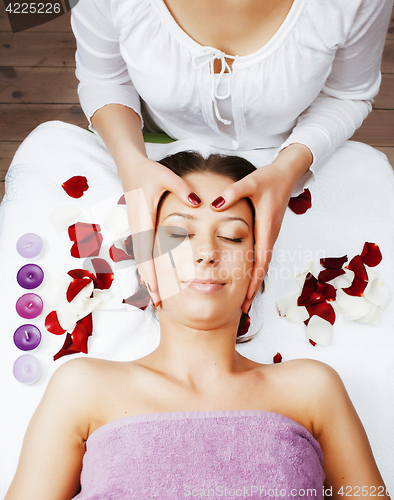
313,83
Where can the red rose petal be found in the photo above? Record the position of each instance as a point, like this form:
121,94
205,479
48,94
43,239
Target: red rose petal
68,348
76,186
312,342
129,246
104,273
244,328
122,200
357,266
277,358
371,255
356,289
88,247
333,262
140,299
75,287
81,273
309,294
301,203
323,310
52,324
117,254
81,230
328,291
79,337
88,322
329,274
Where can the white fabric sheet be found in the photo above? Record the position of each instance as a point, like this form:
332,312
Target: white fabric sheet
353,202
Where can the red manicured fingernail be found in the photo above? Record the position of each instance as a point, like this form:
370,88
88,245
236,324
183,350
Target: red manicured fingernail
193,198
218,202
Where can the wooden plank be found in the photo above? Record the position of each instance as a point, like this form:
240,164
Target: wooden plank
377,129
388,57
385,98
29,48
61,24
390,31
18,120
7,151
389,152
2,189
38,85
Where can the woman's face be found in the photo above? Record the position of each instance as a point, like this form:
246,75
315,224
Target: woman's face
204,281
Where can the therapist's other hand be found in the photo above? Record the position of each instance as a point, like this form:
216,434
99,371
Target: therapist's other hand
269,189
150,180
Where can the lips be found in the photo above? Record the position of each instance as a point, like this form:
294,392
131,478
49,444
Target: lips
209,285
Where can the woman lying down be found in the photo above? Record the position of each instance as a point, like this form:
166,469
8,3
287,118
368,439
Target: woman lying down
195,418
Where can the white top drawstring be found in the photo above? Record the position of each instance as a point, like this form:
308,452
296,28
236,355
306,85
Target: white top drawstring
207,55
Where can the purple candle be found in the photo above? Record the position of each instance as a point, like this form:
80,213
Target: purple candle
30,276
27,369
29,306
27,337
29,245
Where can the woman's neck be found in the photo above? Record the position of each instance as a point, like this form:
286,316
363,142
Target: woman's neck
195,357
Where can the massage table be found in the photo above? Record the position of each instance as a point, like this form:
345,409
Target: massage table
352,203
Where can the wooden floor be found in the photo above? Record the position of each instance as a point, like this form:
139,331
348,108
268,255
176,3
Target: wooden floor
37,84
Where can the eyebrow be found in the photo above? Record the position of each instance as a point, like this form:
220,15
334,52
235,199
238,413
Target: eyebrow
188,216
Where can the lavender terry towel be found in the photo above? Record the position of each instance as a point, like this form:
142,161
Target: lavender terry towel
236,453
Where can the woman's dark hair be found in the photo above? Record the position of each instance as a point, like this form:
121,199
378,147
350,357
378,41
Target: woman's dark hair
233,167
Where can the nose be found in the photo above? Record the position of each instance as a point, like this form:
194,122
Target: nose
207,254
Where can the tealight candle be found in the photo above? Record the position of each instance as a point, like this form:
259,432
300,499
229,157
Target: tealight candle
29,306
30,276
30,246
27,337
27,369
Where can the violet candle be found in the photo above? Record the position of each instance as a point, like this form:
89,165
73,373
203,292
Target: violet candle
30,246
30,276
29,306
27,369
27,337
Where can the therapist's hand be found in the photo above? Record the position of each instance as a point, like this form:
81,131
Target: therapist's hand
269,189
143,190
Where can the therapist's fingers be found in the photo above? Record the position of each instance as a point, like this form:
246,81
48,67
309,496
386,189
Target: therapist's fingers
244,188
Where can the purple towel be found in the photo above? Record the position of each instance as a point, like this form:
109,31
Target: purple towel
239,454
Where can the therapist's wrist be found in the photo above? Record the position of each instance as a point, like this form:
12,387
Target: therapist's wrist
295,161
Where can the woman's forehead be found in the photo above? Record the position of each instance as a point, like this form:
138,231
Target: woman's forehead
208,187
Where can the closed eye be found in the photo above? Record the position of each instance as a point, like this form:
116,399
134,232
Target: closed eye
182,236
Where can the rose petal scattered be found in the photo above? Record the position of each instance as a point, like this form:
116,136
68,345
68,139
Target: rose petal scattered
122,200
245,327
76,186
277,358
301,203
89,247
64,215
140,299
104,273
323,310
52,324
357,266
288,308
81,230
371,255
333,262
329,274
117,254
115,220
75,287
129,246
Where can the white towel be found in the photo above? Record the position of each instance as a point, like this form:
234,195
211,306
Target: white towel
352,202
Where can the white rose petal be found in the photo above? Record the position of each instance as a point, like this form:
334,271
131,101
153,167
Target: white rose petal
300,278
288,308
54,289
64,215
373,317
344,280
352,307
115,220
377,293
319,330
